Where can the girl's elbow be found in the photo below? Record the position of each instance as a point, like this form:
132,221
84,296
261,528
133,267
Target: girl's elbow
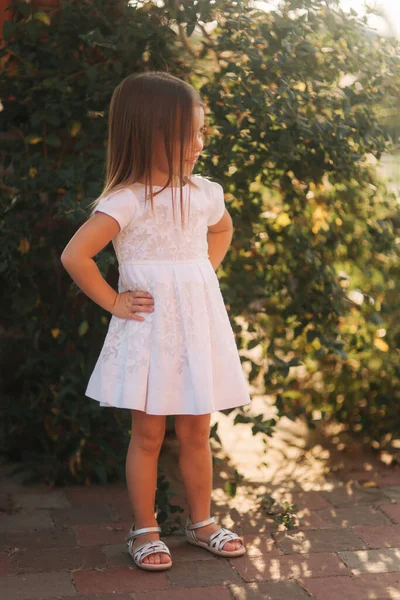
66,258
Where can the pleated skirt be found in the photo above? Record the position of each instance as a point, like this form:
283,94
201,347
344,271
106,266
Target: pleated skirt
182,359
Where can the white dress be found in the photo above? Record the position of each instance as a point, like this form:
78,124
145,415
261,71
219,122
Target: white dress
182,359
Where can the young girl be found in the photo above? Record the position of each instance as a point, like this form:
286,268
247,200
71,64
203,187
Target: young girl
170,348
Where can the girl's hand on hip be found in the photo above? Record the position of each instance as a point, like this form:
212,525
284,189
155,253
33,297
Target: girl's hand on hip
127,304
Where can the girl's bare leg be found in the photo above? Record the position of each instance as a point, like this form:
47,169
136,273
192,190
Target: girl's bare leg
195,463
147,435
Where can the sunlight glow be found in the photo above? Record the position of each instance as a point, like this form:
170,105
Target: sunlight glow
387,24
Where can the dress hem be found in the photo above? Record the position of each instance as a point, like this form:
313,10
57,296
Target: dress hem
164,414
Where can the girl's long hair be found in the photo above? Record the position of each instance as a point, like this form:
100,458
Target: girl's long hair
144,106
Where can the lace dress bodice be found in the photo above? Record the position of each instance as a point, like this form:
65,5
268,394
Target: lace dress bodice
145,236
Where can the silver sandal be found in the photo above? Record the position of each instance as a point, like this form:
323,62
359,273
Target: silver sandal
147,548
216,540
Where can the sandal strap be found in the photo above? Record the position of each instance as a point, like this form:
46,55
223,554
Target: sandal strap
219,538
134,532
149,548
190,525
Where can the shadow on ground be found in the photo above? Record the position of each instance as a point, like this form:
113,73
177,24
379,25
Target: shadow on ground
67,543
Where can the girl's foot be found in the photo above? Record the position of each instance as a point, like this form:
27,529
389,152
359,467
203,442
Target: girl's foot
156,558
203,533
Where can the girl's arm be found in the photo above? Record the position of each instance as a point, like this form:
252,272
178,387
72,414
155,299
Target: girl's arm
219,239
77,259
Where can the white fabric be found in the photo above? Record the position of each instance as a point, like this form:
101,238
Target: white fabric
121,205
182,359
218,203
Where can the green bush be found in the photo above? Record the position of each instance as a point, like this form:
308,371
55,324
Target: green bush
314,267
291,142
56,86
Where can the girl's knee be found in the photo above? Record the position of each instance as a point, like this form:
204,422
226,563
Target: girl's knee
148,431
192,429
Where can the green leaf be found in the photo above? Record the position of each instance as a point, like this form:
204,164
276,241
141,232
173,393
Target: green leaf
83,328
42,16
101,473
9,28
23,8
53,140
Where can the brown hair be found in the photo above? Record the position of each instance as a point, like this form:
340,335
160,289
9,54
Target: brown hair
143,106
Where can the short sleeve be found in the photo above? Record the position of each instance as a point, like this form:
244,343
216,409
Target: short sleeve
120,205
217,203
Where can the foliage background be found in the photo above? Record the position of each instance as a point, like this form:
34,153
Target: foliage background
312,278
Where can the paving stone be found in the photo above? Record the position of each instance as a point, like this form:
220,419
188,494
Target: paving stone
312,520
93,597
6,502
318,540
389,478
29,501
257,545
352,494
385,478
272,590
392,510
263,568
385,536
202,573
311,500
120,511
255,523
6,565
117,555
117,580
37,585
15,484
84,515
384,560
58,559
114,497
393,492
94,495
383,586
102,534
25,522
351,516
181,550
211,593
45,538
360,475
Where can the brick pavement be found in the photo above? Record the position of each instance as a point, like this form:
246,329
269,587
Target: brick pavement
67,543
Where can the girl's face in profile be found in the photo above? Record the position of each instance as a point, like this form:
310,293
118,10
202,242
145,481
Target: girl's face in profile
192,152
